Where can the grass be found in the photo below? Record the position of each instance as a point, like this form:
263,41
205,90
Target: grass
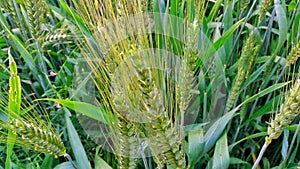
149,84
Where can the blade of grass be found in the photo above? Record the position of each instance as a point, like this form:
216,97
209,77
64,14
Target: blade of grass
65,165
99,162
265,91
283,25
77,147
214,10
214,132
222,40
47,162
221,155
86,109
195,145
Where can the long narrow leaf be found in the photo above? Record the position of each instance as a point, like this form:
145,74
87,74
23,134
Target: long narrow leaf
221,155
77,147
86,109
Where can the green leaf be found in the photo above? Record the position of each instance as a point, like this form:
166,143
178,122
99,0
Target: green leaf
47,162
285,144
269,106
292,6
77,147
195,145
74,17
221,155
283,25
261,134
214,10
86,109
254,76
214,132
234,160
223,39
228,34
174,8
295,27
265,91
228,22
99,162
65,165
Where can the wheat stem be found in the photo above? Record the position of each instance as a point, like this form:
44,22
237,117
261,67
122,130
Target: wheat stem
68,157
261,153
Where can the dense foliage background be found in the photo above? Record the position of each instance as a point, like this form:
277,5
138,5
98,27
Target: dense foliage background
257,44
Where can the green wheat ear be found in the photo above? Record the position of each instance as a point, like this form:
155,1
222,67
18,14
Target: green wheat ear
31,132
294,54
263,9
245,64
288,112
23,126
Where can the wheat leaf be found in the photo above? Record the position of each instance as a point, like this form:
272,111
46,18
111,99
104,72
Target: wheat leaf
76,144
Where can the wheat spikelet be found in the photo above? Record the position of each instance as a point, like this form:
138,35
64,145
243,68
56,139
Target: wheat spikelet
136,98
31,131
255,47
294,54
186,78
289,110
56,38
168,140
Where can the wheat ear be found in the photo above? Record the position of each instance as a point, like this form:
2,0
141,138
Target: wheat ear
294,54
38,139
289,110
263,9
245,65
127,146
36,11
165,132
